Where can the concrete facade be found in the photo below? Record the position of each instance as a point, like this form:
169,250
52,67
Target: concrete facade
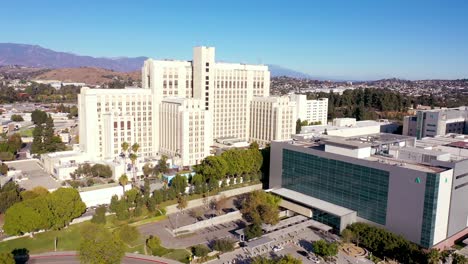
181,110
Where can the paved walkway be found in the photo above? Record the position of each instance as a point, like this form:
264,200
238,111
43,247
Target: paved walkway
129,258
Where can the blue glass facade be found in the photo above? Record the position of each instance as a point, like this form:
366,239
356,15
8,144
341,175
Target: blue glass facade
430,209
360,188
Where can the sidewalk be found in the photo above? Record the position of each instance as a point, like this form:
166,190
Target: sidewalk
146,258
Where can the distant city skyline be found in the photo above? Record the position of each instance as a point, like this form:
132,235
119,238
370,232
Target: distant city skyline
354,40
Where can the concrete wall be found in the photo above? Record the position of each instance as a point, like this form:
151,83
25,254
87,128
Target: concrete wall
458,216
229,217
102,196
171,209
296,208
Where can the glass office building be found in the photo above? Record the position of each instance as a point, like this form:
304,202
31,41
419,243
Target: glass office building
356,187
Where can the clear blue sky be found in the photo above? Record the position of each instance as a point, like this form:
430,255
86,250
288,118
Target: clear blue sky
354,39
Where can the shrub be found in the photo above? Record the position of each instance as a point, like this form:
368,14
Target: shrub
325,249
223,245
16,118
200,250
128,234
99,216
154,245
253,231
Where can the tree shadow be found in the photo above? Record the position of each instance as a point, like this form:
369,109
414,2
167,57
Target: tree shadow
21,255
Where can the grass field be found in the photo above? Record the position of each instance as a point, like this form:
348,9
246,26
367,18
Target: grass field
67,239
26,132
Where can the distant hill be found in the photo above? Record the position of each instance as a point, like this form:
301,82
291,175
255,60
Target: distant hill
88,75
277,71
39,57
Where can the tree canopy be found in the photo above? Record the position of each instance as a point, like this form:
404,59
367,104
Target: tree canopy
98,245
260,207
50,211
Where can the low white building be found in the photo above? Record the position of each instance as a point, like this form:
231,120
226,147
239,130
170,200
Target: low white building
311,110
349,127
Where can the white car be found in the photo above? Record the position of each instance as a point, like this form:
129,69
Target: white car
313,259
277,248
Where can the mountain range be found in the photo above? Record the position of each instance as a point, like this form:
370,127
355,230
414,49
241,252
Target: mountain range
39,57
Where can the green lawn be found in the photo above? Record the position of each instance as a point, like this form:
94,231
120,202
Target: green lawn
68,239
26,132
179,255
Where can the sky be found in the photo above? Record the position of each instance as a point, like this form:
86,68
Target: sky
347,39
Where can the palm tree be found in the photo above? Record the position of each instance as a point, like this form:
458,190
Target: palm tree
123,180
135,148
133,158
125,146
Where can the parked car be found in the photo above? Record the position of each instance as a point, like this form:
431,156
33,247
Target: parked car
313,259
277,248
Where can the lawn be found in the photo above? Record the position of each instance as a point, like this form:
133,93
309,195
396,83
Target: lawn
67,239
26,132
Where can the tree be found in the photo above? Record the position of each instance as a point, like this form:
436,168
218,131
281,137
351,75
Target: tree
261,207
135,147
9,195
133,158
37,146
253,231
221,203
38,191
65,205
162,165
325,249
7,258
288,259
123,181
200,250
433,256
298,126
101,170
459,259
131,196
179,184
213,168
196,213
347,235
198,182
147,169
99,216
38,117
153,243
128,234
16,118
22,218
125,147
3,169
223,245
182,202
98,245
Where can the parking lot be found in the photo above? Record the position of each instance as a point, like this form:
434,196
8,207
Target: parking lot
33,175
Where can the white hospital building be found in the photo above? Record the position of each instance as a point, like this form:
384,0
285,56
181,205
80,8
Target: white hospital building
183,108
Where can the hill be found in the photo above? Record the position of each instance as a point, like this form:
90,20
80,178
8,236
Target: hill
89,75
39,57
